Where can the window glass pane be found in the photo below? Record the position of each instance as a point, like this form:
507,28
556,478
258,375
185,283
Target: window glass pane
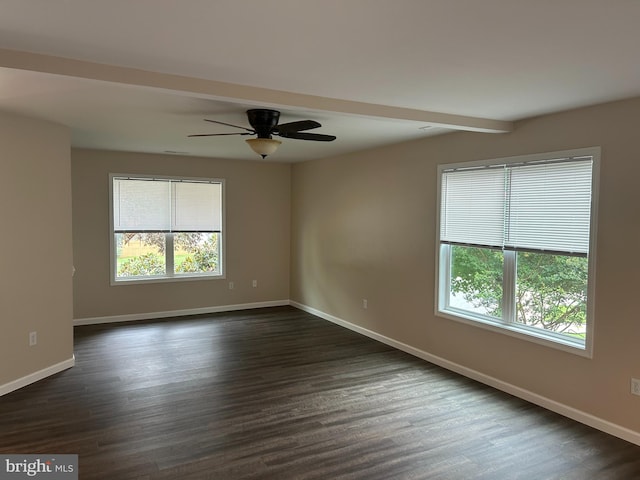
196,252
551,293
140,254
476,280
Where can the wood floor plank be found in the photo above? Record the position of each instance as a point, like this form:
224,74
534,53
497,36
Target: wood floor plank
277,393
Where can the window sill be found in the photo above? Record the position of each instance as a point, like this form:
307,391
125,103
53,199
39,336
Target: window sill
518,331
146,280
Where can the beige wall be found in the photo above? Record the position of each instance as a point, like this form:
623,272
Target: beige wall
257,235
35,285
363,226
360,226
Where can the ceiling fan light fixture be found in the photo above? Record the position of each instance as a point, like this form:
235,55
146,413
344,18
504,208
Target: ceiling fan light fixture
263,146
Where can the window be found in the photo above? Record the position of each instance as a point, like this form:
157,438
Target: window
516,246
165,228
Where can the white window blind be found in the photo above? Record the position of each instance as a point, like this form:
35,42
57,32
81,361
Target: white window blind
141,205
197,207
550,207
544,206
472,207
160,205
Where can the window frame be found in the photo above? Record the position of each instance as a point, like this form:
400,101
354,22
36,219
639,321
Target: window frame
443,265
169,237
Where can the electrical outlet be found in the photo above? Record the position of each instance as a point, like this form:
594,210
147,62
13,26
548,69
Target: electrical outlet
635,386
365,303
33,338
255,283
230,285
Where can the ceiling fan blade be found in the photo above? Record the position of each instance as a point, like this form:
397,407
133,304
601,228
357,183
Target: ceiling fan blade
318,137
230,125
217,134
296,126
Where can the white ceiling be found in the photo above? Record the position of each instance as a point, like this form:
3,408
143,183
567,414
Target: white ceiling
146,72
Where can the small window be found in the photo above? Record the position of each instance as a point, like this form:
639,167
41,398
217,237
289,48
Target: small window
516,245
165,228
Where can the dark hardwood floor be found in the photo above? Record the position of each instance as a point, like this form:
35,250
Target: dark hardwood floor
279,394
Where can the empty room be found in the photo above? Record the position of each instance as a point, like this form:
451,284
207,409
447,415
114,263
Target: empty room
352,239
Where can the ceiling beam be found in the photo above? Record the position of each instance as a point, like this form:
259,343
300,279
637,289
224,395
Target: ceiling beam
204,88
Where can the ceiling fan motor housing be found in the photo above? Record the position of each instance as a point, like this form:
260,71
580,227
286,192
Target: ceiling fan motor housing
263,121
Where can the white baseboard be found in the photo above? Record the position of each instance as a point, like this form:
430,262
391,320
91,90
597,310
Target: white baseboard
176,313
570,412
36,376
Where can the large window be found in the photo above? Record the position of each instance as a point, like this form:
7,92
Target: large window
165,228
516,245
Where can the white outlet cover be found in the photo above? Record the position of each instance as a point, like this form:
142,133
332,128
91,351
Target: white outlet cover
635,386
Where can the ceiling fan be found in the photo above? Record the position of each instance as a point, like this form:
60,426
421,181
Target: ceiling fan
264,123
